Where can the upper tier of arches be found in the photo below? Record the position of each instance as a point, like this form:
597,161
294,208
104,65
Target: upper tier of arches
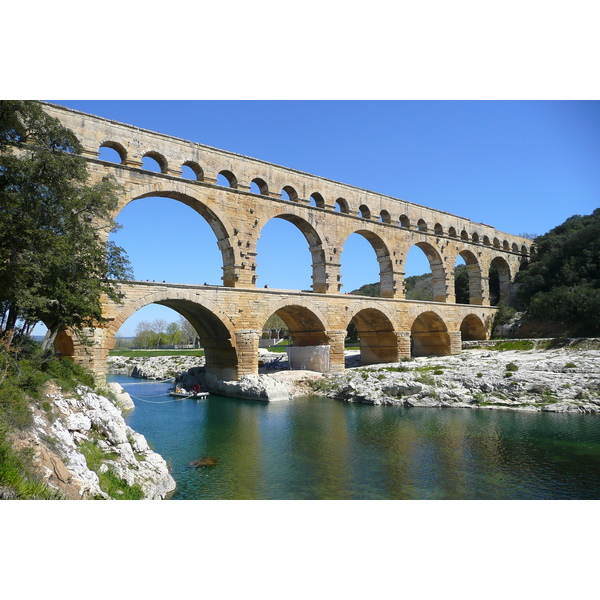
183,159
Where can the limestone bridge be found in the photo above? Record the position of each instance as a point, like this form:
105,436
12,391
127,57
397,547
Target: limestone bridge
229,318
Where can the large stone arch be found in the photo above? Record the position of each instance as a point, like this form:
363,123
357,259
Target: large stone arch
429,335
474,273
473,328
214,327
438,271
217,221
387,279
378,338
499,289
306,323
313,239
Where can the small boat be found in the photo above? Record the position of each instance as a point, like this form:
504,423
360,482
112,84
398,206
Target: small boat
192,395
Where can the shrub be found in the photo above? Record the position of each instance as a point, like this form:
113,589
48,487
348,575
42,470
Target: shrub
511,366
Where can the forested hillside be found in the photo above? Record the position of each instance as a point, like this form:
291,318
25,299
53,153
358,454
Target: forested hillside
562,283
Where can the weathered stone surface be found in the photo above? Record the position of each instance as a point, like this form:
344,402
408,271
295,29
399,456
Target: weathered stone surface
560,380
86,416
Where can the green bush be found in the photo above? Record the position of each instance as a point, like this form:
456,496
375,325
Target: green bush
69,374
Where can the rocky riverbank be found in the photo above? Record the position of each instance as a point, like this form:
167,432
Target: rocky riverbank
82,446
565,379
558,380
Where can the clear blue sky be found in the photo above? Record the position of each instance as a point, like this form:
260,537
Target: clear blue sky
520,166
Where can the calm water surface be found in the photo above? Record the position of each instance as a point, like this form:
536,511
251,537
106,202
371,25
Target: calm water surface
318,448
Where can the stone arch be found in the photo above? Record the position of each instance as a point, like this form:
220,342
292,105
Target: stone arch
438,229
196,169
475,237
382,253
496,243
212,325
315,246
464,235
429,336
159,158
343,206
472,328
474,275
262,186
378,339
437,270
515,248
404,221
306,323
364,211
384,216
291,193
506,246
452,232
318,200
218,222
499,288
422,225
117,147
230,177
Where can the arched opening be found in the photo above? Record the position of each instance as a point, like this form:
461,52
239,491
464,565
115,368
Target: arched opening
341,205
155,162
227,179
404,221
317,200
384,217
505,246
475,238
166,241
429,336
288,254
154,327
467,279
259,186
192,170
464,235
424,274
304,326
378,340
452,232
364,212
308,347
366,266
289,193
161,321
421,225
112,152
486,241
499,280
496,242
472,328
438,229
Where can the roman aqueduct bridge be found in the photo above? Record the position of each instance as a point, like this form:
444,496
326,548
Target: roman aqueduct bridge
230,318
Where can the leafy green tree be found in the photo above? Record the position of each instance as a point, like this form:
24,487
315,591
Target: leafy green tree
562,283
54,262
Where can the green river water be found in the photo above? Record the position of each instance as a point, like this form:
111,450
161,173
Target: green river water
319,448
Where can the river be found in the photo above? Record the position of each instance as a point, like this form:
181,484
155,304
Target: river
319,448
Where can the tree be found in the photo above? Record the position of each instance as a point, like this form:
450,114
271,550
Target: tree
562,283
54,262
